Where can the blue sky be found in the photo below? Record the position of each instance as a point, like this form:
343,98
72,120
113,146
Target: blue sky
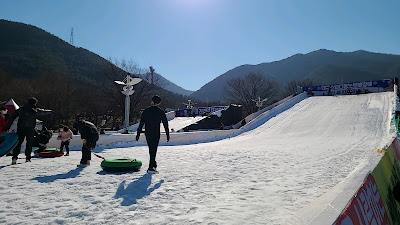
191,42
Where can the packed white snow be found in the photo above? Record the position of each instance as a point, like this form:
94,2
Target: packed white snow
174,125
263,176
179,123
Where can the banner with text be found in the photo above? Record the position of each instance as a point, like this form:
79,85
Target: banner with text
352,88
366,207
387,176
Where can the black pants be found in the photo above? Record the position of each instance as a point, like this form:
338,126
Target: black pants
86,152
66,144
28,133
152,142
41,149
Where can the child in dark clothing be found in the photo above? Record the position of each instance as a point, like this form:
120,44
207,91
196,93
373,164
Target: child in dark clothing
40,139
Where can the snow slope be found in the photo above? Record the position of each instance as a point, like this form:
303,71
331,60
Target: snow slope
181,122
175,123
263,176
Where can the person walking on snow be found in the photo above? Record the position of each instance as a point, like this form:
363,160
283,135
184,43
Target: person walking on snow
89,136
3,119
27,115
151,119
65,135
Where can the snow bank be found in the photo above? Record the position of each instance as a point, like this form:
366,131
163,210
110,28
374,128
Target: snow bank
133,128
184,138
375,201
254,115
174,123
326,208
302,158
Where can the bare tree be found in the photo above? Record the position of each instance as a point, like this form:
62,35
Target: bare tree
291,86
118,70
245,90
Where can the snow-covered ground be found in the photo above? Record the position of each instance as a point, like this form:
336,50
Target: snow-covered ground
179,123
263,176
175,123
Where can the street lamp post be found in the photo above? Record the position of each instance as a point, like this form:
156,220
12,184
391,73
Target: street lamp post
127,90
152,74
259,102
190,105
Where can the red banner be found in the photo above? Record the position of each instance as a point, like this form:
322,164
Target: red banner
366,208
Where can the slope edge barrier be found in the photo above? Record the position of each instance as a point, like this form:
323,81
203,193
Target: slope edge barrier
254,115
375,201
183,138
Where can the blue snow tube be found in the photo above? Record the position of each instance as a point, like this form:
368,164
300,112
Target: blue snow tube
8,141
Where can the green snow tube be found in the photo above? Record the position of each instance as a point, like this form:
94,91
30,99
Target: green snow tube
121,164
52,149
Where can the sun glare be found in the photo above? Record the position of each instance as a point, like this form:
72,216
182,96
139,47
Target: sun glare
193,3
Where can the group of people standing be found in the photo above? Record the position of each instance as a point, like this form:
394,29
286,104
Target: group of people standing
151,119
27,116
26,124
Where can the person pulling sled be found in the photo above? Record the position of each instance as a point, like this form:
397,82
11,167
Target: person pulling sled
89,136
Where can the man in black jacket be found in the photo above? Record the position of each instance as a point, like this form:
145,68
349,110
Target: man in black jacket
89,136
151,118
27,115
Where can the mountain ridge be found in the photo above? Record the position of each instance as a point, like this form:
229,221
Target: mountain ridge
323,66
27,51
172,87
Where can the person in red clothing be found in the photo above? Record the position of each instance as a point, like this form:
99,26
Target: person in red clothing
3,119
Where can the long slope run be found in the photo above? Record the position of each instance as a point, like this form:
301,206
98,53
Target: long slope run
263,176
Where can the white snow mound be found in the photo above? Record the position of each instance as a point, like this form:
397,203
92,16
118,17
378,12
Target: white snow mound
263,176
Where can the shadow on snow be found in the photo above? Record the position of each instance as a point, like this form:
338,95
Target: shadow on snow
102,172
71,174
138,189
